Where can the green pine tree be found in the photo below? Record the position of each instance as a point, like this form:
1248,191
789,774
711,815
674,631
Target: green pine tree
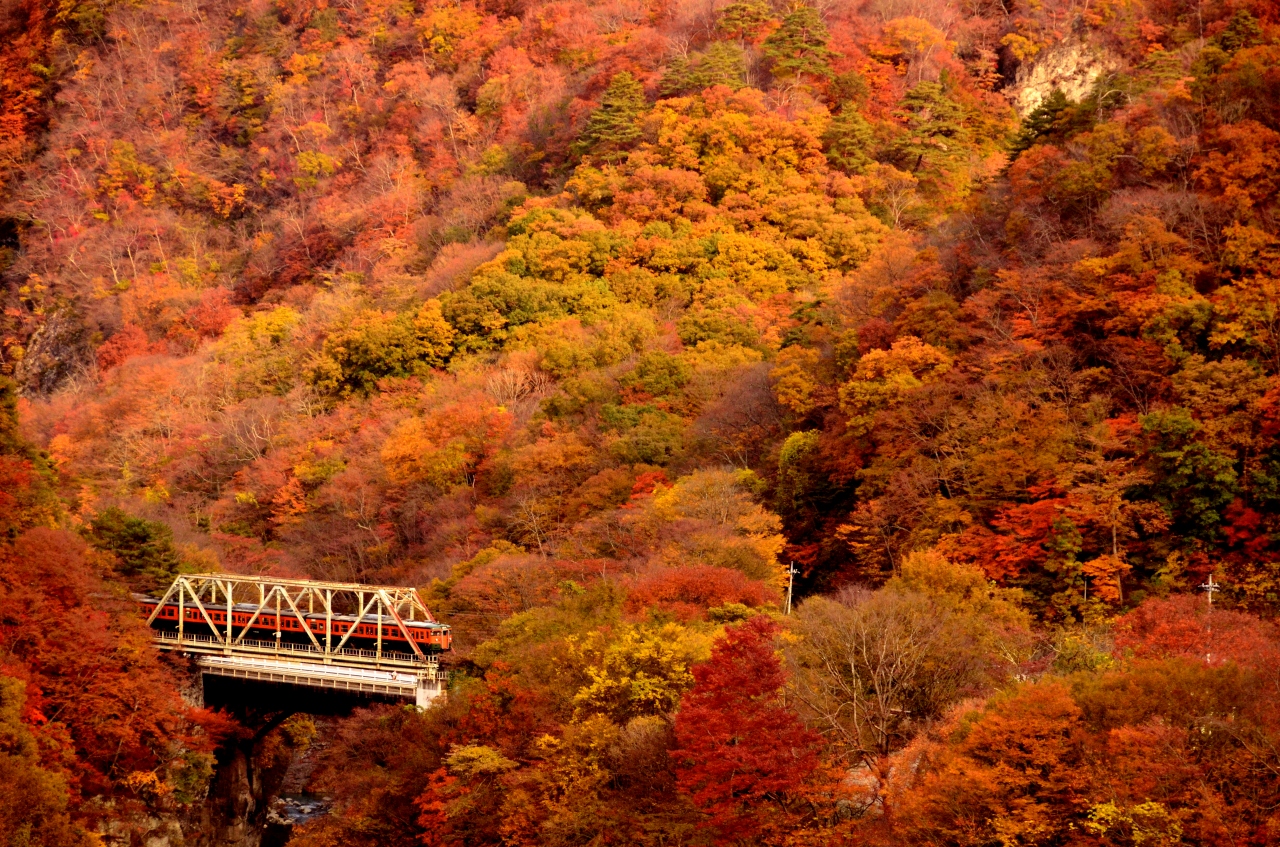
1055,118
678,77
848,141
799,47
143,549
1242,31
744,20
615,124
721,64
935,132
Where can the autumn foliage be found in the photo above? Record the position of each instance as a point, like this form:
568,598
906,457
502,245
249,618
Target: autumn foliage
742,756
620,329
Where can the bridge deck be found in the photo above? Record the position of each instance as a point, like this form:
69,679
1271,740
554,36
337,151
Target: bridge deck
420,687
213,645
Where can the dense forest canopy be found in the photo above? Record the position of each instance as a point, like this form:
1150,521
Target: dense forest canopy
600,322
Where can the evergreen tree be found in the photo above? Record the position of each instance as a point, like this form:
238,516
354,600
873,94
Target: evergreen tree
744,20
1243,31
722,64
1055,118
614,125
678,78
799,46
143,549
848,141
935,128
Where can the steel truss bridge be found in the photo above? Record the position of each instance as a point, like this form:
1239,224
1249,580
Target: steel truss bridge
223,648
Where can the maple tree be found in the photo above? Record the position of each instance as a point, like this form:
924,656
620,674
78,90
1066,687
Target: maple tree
743,757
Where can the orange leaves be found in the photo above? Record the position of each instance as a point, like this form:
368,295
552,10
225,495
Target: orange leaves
688,592
1015,775
1242,167
662,194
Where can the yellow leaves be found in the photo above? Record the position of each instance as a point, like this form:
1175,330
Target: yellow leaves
916,38
1020,46
435,333
315,129
1251,250
795,383
262,329
1148,824
638,671
148,785
1247,312
126,174
550,257
477,760
157,491
1154,147
313,165
722,498
884,376
442,449
443,29
712,357
303,66
255,353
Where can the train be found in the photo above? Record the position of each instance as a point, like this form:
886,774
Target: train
430,636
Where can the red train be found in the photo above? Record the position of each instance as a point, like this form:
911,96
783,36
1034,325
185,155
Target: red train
428,635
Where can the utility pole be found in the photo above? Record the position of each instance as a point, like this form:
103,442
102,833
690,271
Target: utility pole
791,582
1210,588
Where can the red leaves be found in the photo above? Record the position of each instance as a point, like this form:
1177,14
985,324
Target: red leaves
130,341
88,663
1019,545
213,313
1184,627
687,592
742,754
647,481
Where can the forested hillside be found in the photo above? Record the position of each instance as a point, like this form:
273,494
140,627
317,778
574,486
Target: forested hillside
595,319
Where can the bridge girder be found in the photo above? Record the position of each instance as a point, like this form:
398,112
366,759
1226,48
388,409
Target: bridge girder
388,606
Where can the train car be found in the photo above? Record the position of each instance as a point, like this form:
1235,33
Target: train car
428,635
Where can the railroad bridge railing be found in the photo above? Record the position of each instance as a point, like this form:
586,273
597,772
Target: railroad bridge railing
225,646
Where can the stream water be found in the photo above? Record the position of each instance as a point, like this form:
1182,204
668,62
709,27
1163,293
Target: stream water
287,811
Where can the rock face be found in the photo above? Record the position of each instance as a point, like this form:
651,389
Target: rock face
1072,65
235,812
233,815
